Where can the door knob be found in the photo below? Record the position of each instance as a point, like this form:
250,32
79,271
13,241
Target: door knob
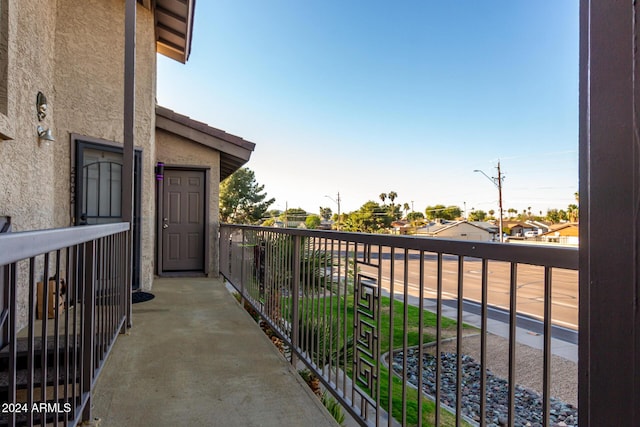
165,225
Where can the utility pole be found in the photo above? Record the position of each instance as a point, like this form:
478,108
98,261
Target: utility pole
338,203
498,183
338,200
500,200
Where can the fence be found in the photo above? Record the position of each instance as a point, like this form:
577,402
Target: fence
65,300
365,314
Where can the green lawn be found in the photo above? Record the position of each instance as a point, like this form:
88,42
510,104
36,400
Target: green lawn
322,309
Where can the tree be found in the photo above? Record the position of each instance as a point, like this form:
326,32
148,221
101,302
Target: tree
444,212
325,213
312,221
563,215
394,212
573,212
294,214
269,222
553,215
392,196
370,218
242,199
383,197
415,216
478,215
406,209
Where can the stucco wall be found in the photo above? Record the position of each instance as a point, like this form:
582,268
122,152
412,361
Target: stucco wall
465,232
73,52
89,97
26,166
572,231
175,150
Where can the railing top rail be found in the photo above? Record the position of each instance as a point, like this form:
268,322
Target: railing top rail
26,244
558,257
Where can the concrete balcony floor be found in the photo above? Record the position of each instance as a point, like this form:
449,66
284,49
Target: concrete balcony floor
194,357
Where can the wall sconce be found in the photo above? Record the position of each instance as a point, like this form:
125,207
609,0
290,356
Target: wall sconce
45,135
41,106
41,110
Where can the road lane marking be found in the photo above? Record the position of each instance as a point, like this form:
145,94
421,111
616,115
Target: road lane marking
561,323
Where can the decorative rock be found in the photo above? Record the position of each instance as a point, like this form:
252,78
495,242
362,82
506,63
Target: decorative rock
528,404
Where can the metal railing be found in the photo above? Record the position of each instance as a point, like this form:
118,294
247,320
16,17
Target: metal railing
65,301
366,314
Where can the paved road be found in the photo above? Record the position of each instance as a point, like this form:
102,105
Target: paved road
529,285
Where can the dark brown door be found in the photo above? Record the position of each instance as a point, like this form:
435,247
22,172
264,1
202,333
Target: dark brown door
183,224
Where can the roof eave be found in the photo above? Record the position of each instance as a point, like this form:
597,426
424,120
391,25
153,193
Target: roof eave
234,151
174,27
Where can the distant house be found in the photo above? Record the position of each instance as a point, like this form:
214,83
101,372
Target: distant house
457,230
401,226
567,234
542,226
518,228
325,224
493,229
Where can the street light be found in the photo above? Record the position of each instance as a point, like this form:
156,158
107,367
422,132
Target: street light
338,203
498,183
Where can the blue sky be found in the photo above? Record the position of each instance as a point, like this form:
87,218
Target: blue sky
364,97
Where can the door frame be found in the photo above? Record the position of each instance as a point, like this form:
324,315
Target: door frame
160,206
80,142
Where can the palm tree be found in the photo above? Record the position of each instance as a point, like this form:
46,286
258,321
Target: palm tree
383,197
392,196
573,213
406,208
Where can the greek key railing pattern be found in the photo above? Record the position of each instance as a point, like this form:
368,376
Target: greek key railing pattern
352,307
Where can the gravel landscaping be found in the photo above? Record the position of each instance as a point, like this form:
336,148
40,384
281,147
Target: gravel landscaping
528,377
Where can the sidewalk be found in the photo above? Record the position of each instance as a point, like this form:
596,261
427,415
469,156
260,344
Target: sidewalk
561,348
194,357
529,354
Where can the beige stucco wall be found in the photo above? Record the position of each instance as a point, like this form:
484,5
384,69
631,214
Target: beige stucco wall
175,150
72,51
465,231
89,98
27,167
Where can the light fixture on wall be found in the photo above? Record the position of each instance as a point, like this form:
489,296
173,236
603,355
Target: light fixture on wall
41,106
45,134
41,110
